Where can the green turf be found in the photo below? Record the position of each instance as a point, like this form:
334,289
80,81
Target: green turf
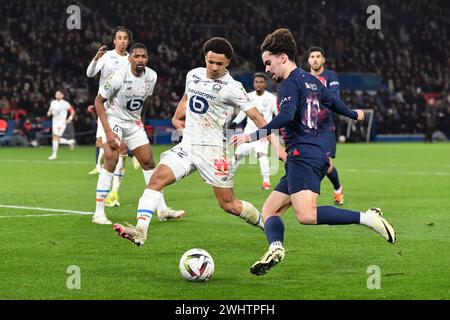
411,182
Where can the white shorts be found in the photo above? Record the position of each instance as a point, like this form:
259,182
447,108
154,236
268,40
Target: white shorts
132,132
100,132
253,148
211,162
58,128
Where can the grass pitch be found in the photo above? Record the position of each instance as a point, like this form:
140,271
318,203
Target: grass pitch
410,182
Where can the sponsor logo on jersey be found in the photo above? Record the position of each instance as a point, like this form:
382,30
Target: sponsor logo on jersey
201,94
285,99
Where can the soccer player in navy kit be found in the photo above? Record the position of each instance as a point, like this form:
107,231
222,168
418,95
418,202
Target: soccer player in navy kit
300,96
329,79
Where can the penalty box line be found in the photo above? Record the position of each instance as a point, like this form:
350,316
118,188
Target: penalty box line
58,212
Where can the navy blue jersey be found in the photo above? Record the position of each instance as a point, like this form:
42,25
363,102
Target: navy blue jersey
330,80
300,98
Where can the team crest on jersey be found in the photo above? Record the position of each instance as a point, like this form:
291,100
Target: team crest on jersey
217,87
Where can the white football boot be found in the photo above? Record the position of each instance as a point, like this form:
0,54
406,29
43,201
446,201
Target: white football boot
132,233
380,225
271,258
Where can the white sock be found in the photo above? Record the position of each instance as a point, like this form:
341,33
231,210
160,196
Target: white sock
63,141
276,244
55,146
147,175
265,168
119,172
365,219
237,159
251,215
101,153
146,208
162,204
103,186
339,190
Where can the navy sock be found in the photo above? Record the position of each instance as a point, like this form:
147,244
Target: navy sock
97,152
274,229
332,215
334,178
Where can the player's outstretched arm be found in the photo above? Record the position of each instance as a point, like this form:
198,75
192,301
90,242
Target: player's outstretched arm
96,64
111,138
338,106
180,114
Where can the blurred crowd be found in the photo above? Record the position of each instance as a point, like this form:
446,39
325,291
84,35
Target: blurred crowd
411,52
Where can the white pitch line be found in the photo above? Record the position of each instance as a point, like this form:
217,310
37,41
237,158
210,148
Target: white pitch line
61,211
45,161
424,173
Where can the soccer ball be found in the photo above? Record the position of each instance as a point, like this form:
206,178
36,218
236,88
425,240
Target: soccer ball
196,265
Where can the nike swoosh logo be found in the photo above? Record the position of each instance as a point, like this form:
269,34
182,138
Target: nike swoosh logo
389,234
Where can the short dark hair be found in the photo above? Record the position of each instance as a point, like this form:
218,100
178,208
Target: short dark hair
316,49
260,75
123,29
138,45
280,41
220,46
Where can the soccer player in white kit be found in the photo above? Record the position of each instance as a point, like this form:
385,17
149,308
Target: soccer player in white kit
59,108
266,103
211,94
106,62
125,92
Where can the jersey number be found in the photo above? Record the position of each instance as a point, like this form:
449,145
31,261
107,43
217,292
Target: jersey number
198,104
135,104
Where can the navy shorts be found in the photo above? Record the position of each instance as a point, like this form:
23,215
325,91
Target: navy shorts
305,169
330,144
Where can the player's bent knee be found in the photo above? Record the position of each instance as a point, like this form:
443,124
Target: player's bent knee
148,164
306,218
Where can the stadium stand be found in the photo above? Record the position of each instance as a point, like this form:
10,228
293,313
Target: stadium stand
38,54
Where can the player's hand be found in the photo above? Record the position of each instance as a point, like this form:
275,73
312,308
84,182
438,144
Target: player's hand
113,140
361,116
68,120
101,51
239,139
282,155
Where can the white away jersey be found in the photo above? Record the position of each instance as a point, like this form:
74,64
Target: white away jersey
59,110
126,93
266,104
110,62
210,106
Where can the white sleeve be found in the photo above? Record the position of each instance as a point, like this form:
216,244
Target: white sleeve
238,97
95,67
240,117
188,80
274,105
111,86
154,79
